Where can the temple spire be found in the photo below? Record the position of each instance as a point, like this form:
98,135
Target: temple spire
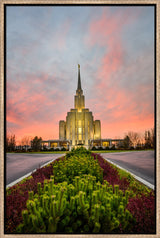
79,79
79,102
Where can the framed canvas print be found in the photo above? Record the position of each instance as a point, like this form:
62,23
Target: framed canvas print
80,118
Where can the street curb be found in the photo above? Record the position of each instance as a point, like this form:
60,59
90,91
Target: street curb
28,174
135,176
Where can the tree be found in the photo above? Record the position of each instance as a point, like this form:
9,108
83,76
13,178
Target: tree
7,143
149,139
26,140
36,143
127,143
10,142
152,137
134,137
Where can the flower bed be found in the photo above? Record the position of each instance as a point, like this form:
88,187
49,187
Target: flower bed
80,193
141,199
17,196
86,206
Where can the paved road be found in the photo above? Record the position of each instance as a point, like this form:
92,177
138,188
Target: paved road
140,163
20,164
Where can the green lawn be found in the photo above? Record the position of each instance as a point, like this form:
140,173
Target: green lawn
114,151
41,152
93,151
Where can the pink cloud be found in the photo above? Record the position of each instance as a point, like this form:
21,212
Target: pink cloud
109,26
119,107
121,111
114,129
12,117
33,109
107,32
42,128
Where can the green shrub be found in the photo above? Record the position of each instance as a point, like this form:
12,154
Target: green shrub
93,148
77,163
86,206
78,151
63,149
57,149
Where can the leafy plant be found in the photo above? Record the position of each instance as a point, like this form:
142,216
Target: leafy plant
77,163
111,174
143,209
86,206
17,196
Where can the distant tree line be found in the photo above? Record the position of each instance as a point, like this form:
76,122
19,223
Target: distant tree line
27,143
132,140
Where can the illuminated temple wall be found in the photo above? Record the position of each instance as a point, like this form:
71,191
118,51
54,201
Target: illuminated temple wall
80,126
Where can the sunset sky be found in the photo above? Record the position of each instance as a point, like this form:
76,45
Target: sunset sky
114,46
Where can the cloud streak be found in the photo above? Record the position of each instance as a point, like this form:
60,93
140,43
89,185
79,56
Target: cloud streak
115,48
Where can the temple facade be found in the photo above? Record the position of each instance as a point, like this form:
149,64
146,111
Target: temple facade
79,128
